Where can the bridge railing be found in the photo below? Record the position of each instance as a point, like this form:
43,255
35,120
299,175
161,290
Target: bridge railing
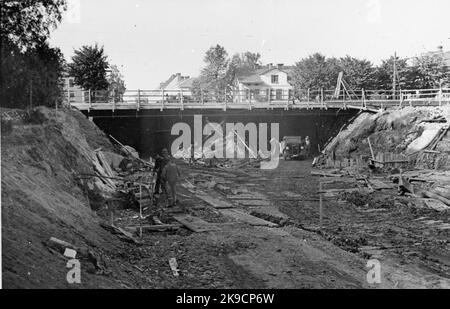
253,98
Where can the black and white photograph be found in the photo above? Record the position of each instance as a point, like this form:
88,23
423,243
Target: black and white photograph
225,151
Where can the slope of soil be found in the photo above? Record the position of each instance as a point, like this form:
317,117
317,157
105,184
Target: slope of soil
391,131
42,153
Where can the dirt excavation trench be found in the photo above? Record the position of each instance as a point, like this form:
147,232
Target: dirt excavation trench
66,185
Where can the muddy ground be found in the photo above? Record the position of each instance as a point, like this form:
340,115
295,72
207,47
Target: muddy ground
41,198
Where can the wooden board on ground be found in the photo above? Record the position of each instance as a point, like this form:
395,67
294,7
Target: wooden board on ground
247,202
195,224
435,204
245,197
214,202
240,215
154,228
324,174
378,184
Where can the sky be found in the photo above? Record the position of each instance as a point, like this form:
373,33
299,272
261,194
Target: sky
149,40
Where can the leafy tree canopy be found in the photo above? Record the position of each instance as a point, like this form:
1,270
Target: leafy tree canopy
88,67
28,22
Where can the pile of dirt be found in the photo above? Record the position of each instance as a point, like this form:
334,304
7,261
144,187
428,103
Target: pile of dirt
406,131
42,197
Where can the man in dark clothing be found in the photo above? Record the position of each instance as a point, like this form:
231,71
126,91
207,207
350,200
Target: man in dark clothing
160,163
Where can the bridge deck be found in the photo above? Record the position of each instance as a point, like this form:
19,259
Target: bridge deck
368,105
367,100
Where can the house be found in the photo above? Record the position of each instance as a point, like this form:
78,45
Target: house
177,82
176,86
267,84
72,92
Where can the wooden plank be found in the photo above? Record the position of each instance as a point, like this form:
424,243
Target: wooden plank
154,228
437,197
435,204
378,185
245,217
254,202
324,174
214,202
195,224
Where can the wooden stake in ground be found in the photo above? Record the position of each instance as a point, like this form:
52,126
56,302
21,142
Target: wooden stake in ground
320,205
140,210
371,150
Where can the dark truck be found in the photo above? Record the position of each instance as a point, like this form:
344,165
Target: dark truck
294,148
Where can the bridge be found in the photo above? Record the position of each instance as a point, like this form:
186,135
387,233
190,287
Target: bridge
371,100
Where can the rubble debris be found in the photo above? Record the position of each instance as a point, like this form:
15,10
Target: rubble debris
61,245
121,233
437,197
436,204
174,266
404,186
113,159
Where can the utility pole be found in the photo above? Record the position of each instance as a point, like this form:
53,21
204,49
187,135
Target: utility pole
394,81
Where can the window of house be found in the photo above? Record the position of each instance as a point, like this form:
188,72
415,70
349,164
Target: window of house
72,94
274,79
279,94
71,82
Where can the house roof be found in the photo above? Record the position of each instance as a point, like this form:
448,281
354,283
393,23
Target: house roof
187,83
255,76
180,80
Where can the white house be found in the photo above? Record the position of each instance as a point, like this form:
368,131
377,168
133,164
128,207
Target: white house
72,92
177,85
267,84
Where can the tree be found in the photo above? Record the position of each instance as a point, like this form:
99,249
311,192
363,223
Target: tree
25,58
384,73
28,22
315,72
214,74
242,64
429,71
116,87
88,67
357,73
32,77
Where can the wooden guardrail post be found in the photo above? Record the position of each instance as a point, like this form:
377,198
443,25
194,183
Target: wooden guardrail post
363,99
401,99
139,100
181,99
308,99
90,100
225,100
321,97
162,101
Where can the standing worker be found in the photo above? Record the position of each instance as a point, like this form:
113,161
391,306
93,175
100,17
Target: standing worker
308,146
170,176
160,163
